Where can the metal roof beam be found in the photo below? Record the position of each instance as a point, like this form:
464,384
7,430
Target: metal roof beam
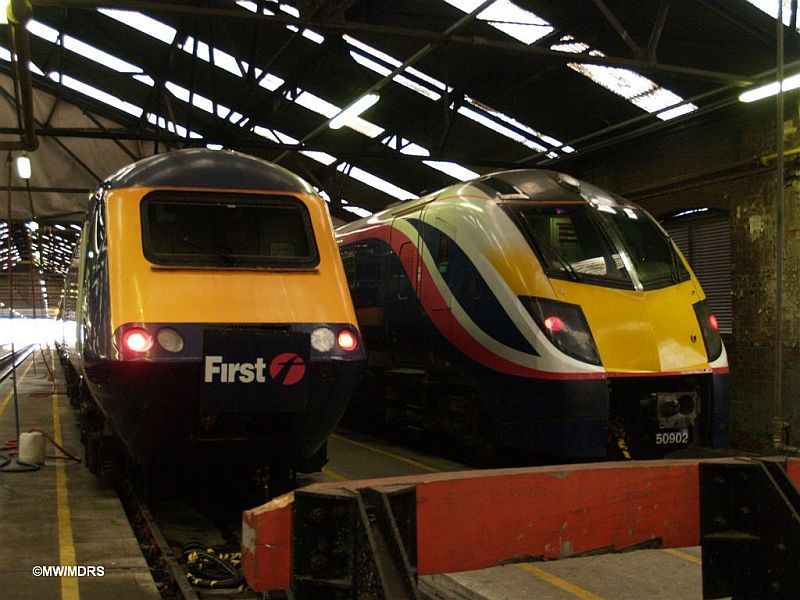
434,38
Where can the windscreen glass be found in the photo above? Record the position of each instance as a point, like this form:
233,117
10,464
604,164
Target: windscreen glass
603,245
651,252
222,231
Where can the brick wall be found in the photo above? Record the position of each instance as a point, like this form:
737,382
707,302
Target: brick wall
713,162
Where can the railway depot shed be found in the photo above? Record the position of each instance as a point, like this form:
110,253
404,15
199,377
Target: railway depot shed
672,104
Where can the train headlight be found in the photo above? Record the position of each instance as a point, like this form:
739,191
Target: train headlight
709,327
565,326
169,339
347,340
137,341
323,339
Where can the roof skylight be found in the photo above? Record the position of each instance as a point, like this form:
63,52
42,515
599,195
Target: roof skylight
509,18
96,94
637,89
142,23
197,100
375,181
75,45
771,8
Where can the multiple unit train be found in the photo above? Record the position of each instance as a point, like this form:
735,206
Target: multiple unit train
206,314
530,310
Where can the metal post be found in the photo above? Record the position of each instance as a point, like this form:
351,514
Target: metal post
779,194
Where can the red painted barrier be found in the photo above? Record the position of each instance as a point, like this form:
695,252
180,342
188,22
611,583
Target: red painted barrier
475,519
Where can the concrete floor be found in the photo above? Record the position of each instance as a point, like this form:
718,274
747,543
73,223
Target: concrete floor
61,514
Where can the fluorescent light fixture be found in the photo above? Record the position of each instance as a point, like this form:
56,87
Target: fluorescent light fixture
354,110
3,14
24,171
770,89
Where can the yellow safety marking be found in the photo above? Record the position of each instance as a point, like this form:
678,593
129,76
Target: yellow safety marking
684,555
66,545
10,394
409,461
334,475
558,582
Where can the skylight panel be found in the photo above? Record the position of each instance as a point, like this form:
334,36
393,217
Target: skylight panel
197,100
382,70
179,130
274,135
75,45
357,210
509,18
321,157
221,59
315,37
501,129
401,79
142,23
145,79
453,169
771,8
512,121
635,88
375,182
96,94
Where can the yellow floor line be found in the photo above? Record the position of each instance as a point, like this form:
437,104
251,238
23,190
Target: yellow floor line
409,461
334,475
558,582
66,545
684,555
10,394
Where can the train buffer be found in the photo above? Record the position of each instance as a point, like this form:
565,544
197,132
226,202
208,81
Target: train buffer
394,538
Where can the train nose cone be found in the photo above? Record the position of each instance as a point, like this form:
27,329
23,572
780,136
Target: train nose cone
659,331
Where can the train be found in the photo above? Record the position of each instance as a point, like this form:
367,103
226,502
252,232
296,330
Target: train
206,317
531,311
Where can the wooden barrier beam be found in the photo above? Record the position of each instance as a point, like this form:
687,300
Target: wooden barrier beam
476,519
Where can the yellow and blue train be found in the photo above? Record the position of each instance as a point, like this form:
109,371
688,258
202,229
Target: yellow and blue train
531,310
206,313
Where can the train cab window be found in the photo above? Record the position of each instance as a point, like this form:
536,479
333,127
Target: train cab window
570,243
651,251
212,230
601,244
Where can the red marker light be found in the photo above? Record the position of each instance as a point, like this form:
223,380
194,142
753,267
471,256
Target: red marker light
554,324
137,341
347,340
713,323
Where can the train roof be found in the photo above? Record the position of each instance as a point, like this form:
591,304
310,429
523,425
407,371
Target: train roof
518,185
203,168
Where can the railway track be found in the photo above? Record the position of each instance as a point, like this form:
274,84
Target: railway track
186,565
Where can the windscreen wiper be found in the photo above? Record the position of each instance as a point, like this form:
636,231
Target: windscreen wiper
568,268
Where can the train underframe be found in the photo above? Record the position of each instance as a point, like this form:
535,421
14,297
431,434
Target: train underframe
624,418
168,438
